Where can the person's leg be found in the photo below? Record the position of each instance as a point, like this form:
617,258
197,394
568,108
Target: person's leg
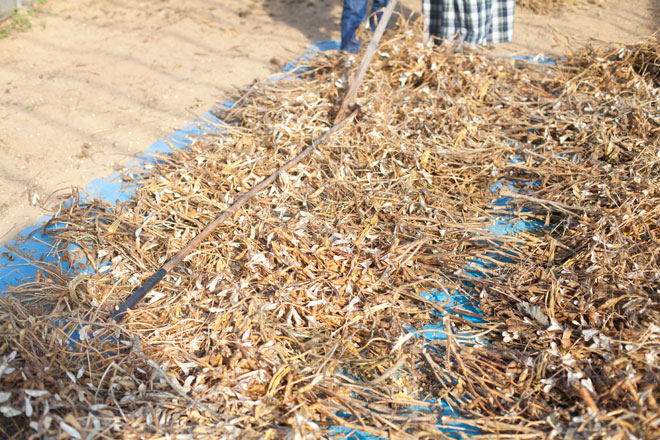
352,16
476,20
502,27
377,5
434,17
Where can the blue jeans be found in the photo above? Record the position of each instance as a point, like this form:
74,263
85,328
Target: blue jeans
353,14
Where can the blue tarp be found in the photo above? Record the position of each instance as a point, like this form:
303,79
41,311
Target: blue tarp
16,267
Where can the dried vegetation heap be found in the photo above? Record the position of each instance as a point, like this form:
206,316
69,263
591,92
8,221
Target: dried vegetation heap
548,6
296,315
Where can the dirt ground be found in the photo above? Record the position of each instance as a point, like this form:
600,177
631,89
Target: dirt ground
95,82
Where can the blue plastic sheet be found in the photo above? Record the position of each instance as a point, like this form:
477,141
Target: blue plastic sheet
539,59
16,265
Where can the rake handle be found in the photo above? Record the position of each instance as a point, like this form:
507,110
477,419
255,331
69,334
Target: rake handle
173,262
340,120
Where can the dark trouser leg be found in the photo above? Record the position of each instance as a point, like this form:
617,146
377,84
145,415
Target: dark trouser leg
377,5
352,16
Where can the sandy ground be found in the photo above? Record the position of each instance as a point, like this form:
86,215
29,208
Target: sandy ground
95,82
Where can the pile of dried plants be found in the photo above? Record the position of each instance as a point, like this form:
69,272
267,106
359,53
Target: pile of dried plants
548,6
296,317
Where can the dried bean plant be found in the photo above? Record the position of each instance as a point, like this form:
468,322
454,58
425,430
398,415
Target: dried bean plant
295,318
549,6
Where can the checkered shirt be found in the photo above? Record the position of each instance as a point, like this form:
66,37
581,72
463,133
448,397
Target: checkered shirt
474,21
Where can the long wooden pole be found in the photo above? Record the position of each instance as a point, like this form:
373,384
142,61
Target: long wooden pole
366,60
173,262
340,121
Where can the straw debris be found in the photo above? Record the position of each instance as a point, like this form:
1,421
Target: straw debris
295,320
549,6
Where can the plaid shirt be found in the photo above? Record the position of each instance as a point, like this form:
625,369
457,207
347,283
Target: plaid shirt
474,21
